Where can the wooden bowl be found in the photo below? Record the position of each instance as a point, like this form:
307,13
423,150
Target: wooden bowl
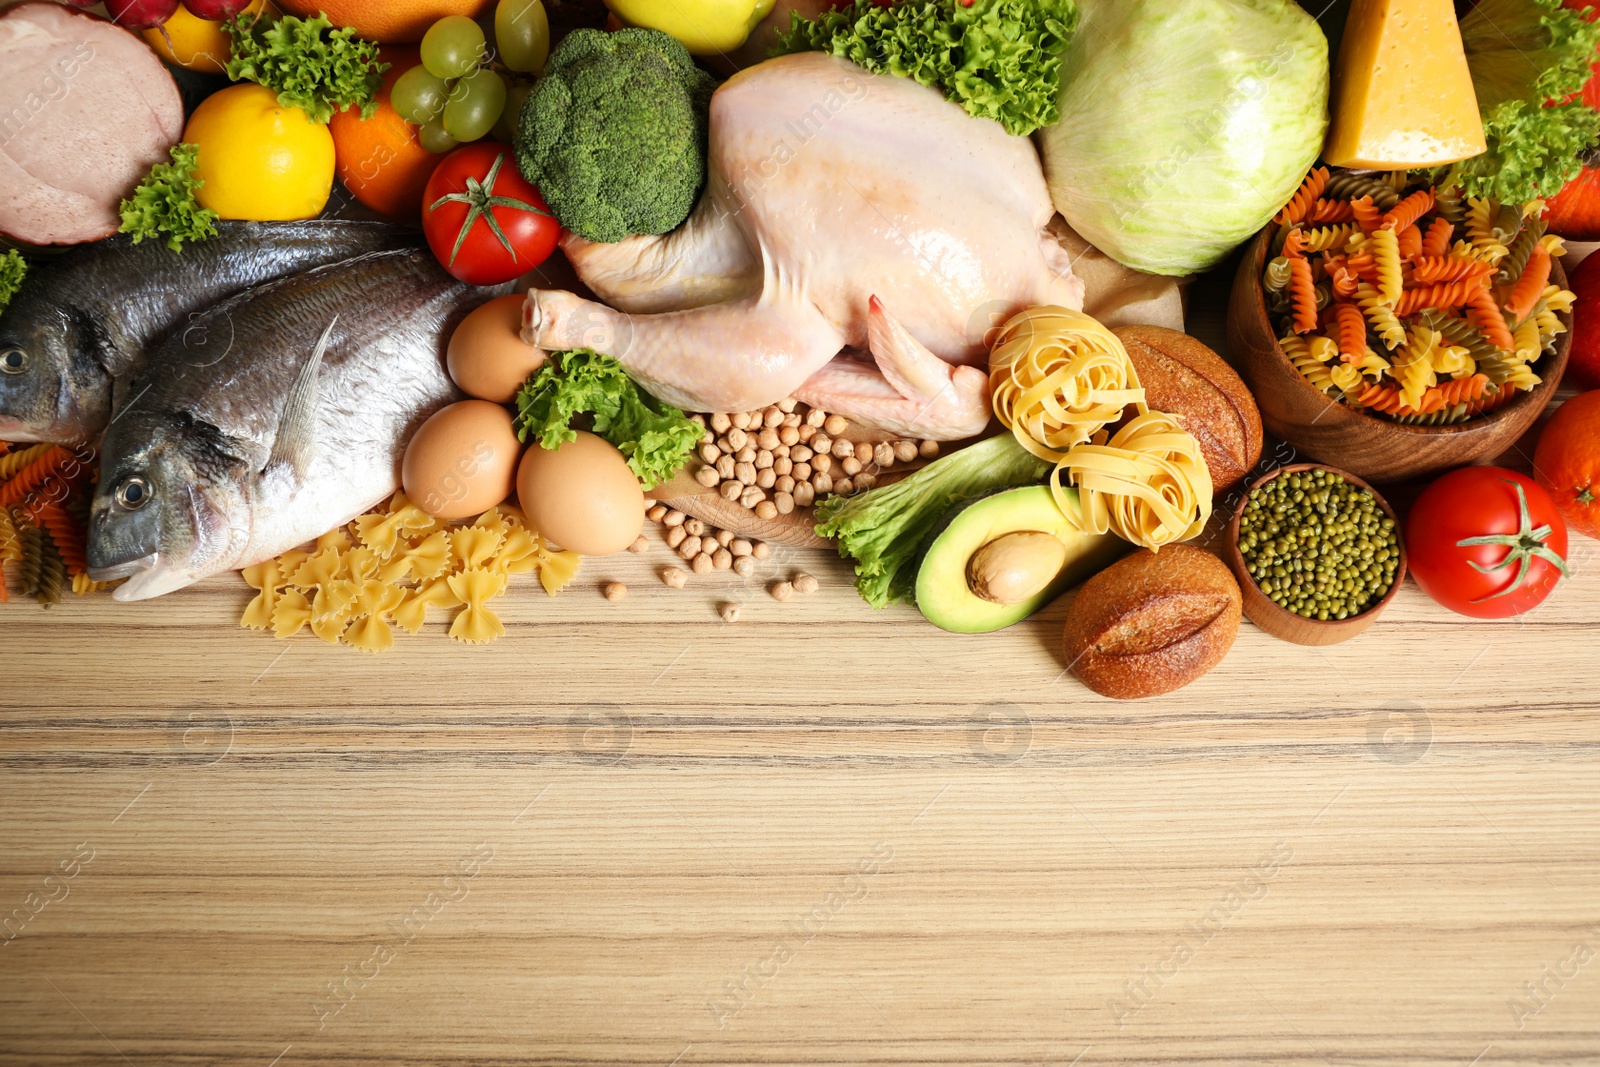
1372,447
1282,623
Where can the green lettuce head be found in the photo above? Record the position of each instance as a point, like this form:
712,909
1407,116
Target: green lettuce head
1184,126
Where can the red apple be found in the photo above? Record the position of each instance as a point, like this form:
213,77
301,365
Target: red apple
215,10
140,14
1583,366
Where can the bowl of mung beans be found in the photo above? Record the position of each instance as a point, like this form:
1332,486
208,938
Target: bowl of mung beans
1318,554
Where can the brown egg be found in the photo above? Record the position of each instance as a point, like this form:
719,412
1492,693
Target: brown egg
582,496
487,356
462,461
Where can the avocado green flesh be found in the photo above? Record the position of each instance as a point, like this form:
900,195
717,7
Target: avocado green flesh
943,595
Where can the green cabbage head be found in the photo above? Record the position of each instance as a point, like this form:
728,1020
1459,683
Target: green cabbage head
1184,125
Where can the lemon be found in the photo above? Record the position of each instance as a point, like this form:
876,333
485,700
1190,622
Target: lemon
196,43
705,27
258,159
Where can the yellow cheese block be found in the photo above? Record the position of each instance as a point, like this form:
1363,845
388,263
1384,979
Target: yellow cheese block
1402,94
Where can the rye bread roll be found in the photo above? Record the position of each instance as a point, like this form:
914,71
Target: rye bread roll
1152,622
1181,376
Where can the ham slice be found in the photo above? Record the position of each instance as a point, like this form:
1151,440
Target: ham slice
86,109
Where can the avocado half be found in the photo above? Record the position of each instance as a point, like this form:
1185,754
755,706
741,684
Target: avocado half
944,591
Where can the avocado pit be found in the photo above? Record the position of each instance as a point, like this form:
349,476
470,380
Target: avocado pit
1015,567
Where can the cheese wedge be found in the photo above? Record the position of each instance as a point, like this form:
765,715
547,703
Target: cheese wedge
1402,92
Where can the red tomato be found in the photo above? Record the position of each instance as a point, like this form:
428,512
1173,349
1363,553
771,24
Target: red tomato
485,222
1486,542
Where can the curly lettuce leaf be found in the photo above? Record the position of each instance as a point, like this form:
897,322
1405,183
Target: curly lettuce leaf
656,438
13,268
998,59
1528,59
164,204
308,63
883,529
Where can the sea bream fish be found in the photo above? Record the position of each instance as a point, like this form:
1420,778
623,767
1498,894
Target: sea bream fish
284,415
85,319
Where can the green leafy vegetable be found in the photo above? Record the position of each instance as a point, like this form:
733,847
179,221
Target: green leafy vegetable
164,203
614,133
883,530
12,270
308,63
655,437
999,59
1527,58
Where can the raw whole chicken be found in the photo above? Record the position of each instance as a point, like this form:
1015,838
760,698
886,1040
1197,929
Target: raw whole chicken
843,211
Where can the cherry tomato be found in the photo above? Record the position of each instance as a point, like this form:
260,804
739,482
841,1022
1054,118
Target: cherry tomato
1486,542
485,222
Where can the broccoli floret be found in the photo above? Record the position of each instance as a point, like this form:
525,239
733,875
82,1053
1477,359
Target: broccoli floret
614,133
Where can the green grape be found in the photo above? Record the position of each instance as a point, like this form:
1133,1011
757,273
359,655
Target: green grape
435,138
522,32
506,129
452,46
419,96
475,105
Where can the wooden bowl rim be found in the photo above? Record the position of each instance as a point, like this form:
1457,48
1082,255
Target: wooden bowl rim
1237,558
1544,393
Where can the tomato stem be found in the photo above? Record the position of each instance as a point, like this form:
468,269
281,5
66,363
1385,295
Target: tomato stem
480,200
1522,547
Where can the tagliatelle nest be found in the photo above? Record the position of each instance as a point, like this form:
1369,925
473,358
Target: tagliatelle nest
1149,484
387,568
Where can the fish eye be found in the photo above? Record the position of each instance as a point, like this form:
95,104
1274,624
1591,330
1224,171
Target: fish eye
13,361
133,492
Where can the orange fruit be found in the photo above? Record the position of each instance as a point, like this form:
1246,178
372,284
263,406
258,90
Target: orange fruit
1567,462
387,21
197,43
380,159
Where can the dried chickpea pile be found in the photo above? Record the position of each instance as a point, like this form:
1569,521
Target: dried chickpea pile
704,547
786,456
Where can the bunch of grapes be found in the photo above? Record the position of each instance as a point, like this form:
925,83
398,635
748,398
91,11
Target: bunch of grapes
463,91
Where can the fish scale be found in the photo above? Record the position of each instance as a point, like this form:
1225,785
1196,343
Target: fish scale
209,423
86,319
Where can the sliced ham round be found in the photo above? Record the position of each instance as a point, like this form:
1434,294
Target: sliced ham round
86,109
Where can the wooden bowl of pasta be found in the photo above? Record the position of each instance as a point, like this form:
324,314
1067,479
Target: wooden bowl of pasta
1281,622
1368,445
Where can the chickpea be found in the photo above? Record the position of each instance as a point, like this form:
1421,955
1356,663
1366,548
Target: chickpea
690,547
674,518
725,467
730,612
766,479
905,451
801,472
766,510
883,454
864,453
807,433
789,436
675,536
784,502
737,438
761,550
722,559
752,496
731,489
640,546
804,583
656,513
792,420
788,404
740,420
784,484
744,566
694,527
821,443
866,480
767,440
710,453
804,495
764,460
740,547
702,563
773,418
928,449
674,577
816,418
844,487
834,425
800,454
850,465
746,473
782,465
822,463
724,538
842,448
822,483
724,446
781,591
720,423
747,454
707,476
614,591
